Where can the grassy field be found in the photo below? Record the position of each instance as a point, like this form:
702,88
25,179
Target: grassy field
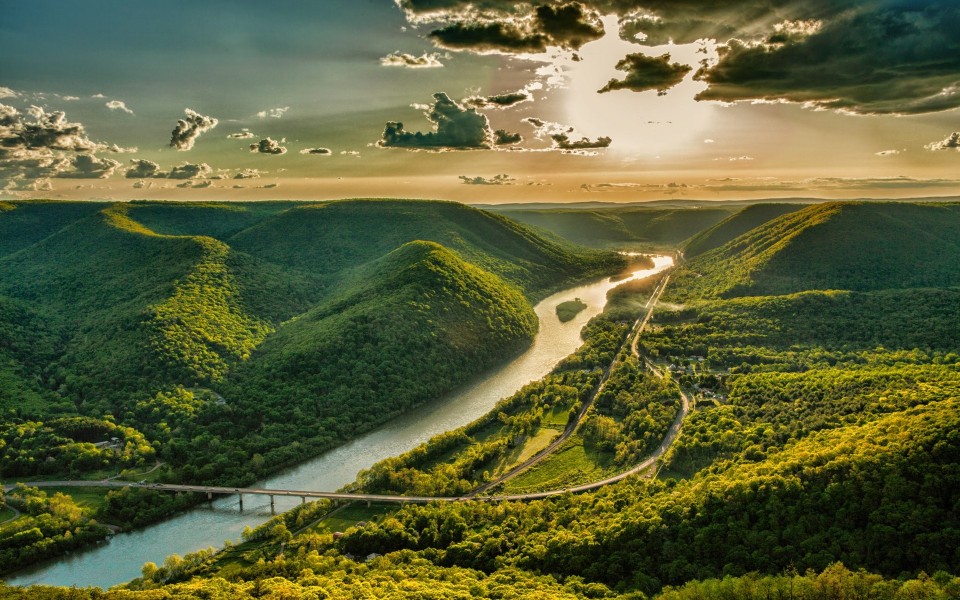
572,464
90,498
530,446
6,514
347,516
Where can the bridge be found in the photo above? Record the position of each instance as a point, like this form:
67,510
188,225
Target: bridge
474,496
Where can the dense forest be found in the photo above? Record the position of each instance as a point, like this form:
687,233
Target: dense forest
630,227
820,459
219,342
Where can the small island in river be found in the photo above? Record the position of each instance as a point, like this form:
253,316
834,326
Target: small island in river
566,311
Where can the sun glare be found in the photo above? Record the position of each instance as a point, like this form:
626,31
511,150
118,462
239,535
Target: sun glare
645,123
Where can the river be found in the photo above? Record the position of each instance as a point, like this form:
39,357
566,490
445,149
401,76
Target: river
121,558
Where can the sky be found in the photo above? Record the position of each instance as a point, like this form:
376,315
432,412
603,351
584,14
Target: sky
482,101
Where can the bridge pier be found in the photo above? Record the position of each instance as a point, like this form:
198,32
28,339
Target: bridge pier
272,505
209,496
368,503
241,501
303,499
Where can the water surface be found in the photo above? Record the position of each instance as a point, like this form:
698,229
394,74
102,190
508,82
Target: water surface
121,558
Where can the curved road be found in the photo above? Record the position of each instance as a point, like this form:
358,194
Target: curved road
632,337
668,440
16,514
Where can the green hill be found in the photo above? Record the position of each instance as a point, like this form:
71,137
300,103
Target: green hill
217,220
734,226
276,306
94,283
25,223
622,227
824,425
332,237
841,245
416,324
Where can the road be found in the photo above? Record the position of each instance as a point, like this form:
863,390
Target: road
632,338
16,514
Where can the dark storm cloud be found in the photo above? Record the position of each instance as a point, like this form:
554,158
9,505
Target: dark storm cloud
889,57
317,151
145,169
647,73
567,25
268,146
455,127
862,56
248,174
502,137
503,36
402,59
952,142
189,129
501,179
499,100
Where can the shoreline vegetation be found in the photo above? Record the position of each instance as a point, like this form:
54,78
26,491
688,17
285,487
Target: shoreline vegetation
567,311
197,323
819,458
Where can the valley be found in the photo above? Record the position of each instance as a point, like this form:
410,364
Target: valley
784,401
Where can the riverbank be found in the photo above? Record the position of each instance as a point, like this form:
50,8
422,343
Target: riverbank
209,524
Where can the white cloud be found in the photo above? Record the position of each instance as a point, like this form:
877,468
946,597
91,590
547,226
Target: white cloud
951,142
118,105
273,113
243,134
187,131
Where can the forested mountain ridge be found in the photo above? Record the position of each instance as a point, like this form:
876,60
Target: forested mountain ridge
168,325
623,227
332,237
838,245
826,392
734,226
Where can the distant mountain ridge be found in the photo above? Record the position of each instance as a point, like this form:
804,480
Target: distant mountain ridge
734,226
842,245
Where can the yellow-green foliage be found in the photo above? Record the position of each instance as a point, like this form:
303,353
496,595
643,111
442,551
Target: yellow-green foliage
202,328
50,525
69,446
734,226
836,582
841,245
